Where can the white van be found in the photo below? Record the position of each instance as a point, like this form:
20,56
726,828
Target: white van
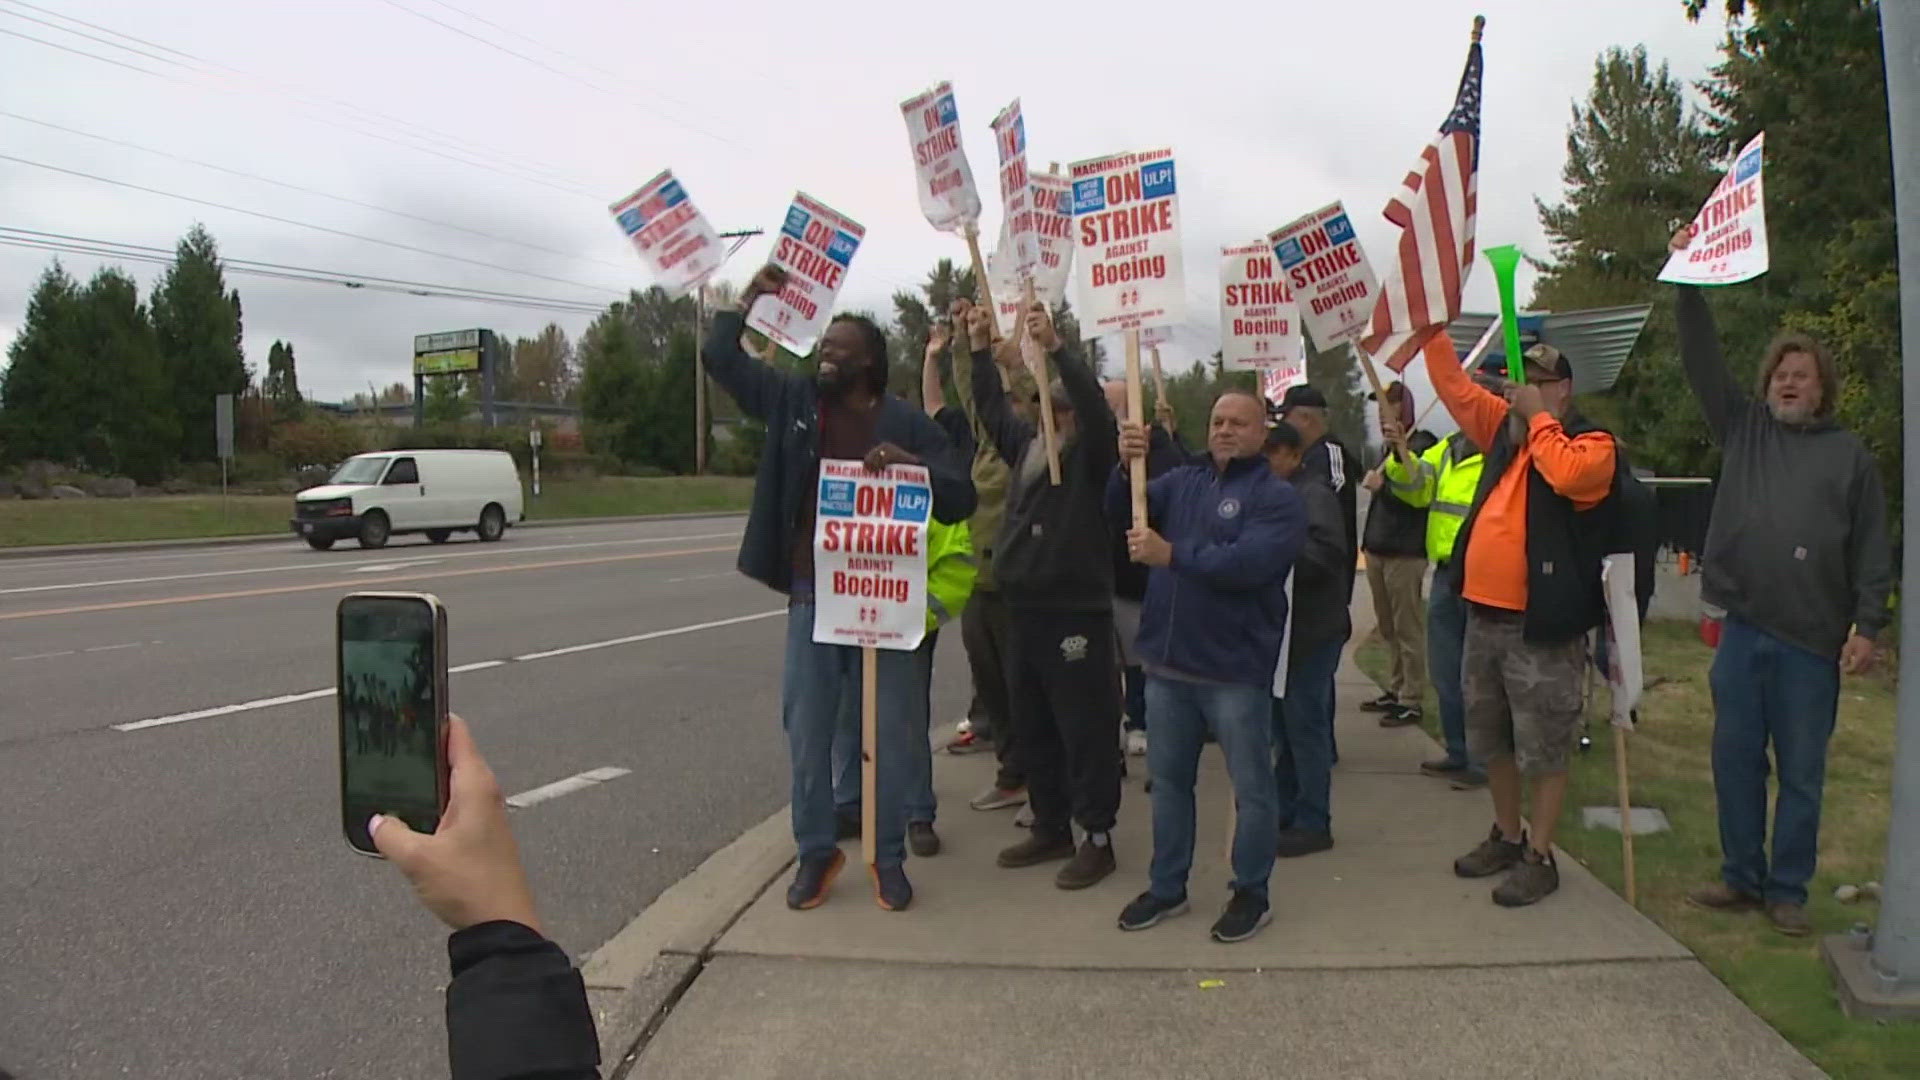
437,492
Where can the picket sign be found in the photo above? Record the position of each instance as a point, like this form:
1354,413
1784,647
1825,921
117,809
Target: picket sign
1259,318
1728,241
1127,221
945,180
1017,233
1328,272
1019,245
1052,203
671,235
815,246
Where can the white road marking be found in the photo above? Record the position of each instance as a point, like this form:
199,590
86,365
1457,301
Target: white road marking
385,567
340,565
115,648
576,782
483,665
699,577
47,655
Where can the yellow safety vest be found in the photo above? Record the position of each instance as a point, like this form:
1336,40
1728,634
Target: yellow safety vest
951,569
1444,486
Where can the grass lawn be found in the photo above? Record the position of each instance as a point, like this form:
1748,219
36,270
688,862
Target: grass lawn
1782,979
176,517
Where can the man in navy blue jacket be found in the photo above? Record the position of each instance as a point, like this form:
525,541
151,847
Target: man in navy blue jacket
842,410
1222,536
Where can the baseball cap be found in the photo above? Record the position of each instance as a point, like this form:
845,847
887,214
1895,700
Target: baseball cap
1548,361
1302,396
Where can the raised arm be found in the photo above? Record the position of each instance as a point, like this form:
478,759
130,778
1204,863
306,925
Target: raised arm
1579,467
752,383
948,470
1415,486
1008,434
1721,399
1099,431
933,396
1477,410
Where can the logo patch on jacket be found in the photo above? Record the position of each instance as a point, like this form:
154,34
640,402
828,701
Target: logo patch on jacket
1229,508
1073,648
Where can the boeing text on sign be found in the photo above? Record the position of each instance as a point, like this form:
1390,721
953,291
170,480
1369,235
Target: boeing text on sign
670,233
1259,319
870,555
1016,195
1127,234
1729,243
815,246
947,195
1328,273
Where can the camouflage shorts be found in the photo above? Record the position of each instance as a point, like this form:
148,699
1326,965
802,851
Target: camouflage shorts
1522,699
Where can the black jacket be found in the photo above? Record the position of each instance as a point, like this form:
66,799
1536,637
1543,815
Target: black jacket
1052,540
516,1009
1323,573
1797,545
1564,544
1165,452
1393,527
789,404
1335,465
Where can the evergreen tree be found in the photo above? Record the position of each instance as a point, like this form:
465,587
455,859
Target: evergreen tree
42,400
199,325
282,386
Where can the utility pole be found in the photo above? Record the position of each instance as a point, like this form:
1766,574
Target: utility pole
700,394
1878,975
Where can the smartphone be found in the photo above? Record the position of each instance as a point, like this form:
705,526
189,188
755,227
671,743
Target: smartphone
392,691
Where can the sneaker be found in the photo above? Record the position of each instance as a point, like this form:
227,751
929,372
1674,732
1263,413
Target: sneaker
1469,781
814,880
1147,910
1037,848
1380,704
1245,915
846,826
1400,716
1443,767
1136,743
922,840
1297,842
1089,867
1492,856
1534,879
995,798
1790,919
968,743
1024,818
891,889
1721,896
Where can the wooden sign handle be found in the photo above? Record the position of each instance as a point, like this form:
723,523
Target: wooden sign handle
1380,399
869,744
984,294
1136,470
1038,356
1159,379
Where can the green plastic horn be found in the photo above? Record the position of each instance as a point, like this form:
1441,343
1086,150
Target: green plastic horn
1505,261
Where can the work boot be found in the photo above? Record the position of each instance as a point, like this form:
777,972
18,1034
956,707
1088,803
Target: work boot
1039,846
1533,880
1090,865
922,840
1790,919
1400,716
814,880
1443,767
1721,896
1297,842
1492,856
1380,704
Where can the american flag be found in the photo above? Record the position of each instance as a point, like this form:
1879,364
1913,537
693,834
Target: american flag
1435,209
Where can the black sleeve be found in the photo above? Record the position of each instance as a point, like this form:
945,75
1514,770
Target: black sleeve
1869,551
959,432
1008,433
948,471
1721,399
753,384
517,1009
1165,452
1325,552
1099,431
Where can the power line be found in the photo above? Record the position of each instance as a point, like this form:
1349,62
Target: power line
304,190
50,242
306,225
450,144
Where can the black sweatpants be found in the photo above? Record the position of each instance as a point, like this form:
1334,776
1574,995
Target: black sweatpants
983,630
1063,685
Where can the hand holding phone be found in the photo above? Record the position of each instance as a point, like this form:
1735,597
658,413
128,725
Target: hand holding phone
392,693
468,871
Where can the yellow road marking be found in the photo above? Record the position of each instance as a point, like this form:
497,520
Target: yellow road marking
353,586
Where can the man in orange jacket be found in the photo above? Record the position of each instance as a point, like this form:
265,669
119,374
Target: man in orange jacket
1529,555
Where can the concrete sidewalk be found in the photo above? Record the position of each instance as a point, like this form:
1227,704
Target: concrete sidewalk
1379,961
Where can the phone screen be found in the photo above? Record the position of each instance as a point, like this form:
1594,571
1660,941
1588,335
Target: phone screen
390,691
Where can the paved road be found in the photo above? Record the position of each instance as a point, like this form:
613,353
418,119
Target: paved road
175,898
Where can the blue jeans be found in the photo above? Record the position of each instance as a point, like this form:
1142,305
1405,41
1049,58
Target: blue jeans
1446,636
1179,715
846,746
1764,688
817,677
1303,739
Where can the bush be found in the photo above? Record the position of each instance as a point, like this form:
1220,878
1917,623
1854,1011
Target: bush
466,437
319,441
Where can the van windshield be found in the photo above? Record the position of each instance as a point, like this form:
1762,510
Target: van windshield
360,470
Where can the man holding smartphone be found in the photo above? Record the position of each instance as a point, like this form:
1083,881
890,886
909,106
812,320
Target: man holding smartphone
842,410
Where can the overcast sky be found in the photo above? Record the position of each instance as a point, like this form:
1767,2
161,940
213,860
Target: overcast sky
1270,112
